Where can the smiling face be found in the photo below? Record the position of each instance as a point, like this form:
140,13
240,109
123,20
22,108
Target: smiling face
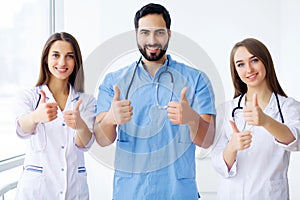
61,60
250,69
152,37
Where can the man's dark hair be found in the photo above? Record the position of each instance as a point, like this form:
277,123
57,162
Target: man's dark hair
152,8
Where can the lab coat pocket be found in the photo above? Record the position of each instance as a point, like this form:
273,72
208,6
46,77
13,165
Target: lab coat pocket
38,141
124,159
31,183
276,189
82,186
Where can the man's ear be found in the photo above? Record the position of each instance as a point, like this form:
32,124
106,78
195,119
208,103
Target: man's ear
169,33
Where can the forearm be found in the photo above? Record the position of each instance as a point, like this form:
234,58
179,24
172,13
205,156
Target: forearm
280,131
83,134
105,129
28,123
229,155
202,130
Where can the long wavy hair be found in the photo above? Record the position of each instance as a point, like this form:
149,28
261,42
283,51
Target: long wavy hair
258,49
76,79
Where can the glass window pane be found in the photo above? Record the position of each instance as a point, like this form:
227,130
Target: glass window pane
24,28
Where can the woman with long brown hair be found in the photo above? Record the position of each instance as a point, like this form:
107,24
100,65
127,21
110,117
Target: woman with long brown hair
56,119
257,129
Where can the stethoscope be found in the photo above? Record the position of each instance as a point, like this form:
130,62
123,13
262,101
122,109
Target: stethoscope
240,107
47,98
166,71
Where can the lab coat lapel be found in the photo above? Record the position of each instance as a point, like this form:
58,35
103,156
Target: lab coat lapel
72,98
49,96
272,108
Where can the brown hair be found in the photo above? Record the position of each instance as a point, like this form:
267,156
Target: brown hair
76,79
259,50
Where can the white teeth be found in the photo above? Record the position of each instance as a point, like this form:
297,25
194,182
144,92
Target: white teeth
252,76
151,48
62,70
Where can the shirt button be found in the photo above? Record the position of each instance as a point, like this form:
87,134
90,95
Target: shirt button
63,124
62,147
61,192
62,169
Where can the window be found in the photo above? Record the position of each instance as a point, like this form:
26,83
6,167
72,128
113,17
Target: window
24,28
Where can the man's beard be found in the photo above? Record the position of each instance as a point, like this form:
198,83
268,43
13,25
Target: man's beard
153,56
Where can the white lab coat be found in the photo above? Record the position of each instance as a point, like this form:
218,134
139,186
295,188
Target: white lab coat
54,166
259,172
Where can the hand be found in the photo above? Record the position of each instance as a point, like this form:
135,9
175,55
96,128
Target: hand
45,112
254,115
239,140
181,112
121,110
72,117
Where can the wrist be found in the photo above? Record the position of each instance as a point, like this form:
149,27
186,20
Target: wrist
109,119
231,148
194,118
266,122
34,117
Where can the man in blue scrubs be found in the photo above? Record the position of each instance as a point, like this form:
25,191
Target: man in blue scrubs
158,110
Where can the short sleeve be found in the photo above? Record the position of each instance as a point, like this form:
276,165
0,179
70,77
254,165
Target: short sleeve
204,101
105,94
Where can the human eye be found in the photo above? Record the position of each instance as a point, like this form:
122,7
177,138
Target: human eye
55,55
240,64
144,32
160,32
70,56
254,60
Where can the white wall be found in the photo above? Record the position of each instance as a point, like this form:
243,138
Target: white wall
215,26
289,71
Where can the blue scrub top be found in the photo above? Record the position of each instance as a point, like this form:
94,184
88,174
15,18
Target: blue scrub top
155,159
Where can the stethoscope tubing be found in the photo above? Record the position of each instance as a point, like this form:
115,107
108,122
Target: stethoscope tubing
158,78
240,107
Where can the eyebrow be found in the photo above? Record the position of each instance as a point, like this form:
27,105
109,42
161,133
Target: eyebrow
144,30
68,53
242,60
160,29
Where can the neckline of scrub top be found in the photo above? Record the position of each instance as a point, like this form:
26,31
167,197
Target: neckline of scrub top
163,67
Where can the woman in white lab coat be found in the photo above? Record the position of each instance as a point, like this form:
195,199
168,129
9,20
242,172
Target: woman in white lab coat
56,119
257,130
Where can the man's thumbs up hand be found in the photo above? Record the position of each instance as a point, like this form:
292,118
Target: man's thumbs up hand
121,110
181,112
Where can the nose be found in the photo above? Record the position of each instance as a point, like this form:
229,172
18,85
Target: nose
151,39
61,61
249,67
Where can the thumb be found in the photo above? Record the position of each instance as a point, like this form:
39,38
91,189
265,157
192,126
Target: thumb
183,94
233,126
77,105
117,93
254,100
43,96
